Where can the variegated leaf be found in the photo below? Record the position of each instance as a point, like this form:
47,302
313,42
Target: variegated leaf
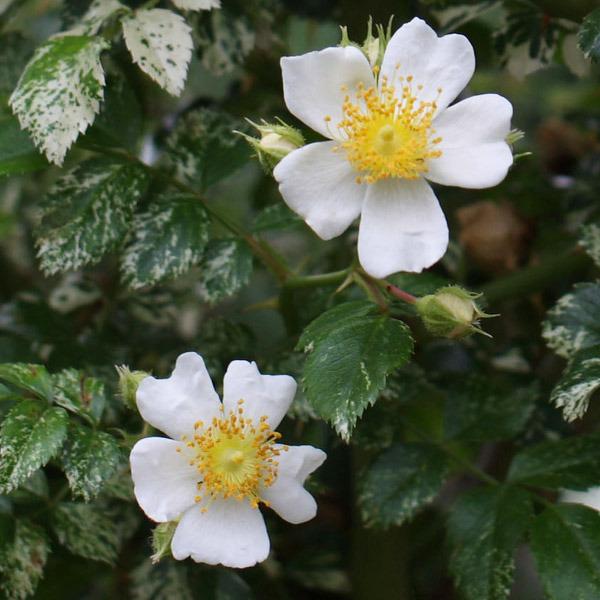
160,43
88,212
98,12
231,41
225,268
197,4
60,92
167,239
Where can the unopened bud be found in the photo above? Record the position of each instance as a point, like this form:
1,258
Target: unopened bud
128,384
451,312
276,141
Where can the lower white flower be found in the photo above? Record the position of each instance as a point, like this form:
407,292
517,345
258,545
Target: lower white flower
391,130
223,461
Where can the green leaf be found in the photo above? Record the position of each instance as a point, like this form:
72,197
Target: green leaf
120,121
22,561
565,540
87,530
60,92
401,481
167,239
90,458
203,148
480,409
224,269
31,378
589,36
78,393
351,350
17,152
572,463
163,581
160,43
324,325
276,217
573,324
88,212
15,52
30,435
580,380
484,528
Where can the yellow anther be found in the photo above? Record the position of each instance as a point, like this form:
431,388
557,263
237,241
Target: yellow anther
234,457
388,132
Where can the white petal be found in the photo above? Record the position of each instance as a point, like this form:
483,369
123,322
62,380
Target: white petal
315,85
320,185
402,228
287,496
173,405
269,395
164,482
474,151
446,62
230,533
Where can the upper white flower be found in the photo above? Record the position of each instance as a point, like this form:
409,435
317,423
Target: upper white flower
222,461
390,130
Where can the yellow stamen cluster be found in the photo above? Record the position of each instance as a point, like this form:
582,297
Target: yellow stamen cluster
389,134
234,457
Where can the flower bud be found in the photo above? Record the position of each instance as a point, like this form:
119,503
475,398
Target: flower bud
128,384
451,312
277,140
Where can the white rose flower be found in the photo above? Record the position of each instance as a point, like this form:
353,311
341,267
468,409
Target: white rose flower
391,130
221,462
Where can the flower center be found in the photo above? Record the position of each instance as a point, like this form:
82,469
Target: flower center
234,457
389,134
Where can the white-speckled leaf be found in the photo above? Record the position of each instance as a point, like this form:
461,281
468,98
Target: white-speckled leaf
590,240
197,4
573,323
87,530
230,40
485,527
90,458
30,435
60,91
87,213
79,394
30,377
402,480
23,561
225,268
160,42
98,12
352,348
167,238
579,381
203,148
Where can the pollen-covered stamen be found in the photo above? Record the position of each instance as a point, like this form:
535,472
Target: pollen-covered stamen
389,134
234,457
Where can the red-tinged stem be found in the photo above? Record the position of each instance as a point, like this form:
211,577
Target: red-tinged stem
400,294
